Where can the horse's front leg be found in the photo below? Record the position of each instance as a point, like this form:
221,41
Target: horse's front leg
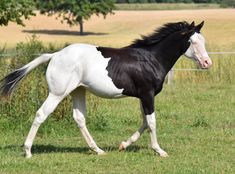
148,108
152,126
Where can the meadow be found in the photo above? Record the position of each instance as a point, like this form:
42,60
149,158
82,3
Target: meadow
195,115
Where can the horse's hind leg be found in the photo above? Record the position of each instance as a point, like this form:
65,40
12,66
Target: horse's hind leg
137,134
79,113
47,107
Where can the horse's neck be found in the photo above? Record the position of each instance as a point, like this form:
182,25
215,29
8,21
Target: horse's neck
167,55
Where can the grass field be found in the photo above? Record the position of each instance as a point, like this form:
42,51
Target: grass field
195,116
194,127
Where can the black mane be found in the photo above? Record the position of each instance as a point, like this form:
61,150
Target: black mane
160,34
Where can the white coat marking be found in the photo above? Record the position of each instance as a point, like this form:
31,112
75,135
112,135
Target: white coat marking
86,67
197,51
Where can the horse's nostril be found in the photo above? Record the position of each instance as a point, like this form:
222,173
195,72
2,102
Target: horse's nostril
207,63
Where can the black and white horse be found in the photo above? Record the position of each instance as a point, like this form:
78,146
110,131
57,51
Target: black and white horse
137,70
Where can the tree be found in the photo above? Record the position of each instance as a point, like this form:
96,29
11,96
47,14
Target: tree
16,11
228,3
74,12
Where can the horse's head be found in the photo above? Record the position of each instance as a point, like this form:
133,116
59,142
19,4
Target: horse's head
196,49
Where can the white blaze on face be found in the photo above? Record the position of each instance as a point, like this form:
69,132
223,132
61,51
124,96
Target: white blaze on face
197,51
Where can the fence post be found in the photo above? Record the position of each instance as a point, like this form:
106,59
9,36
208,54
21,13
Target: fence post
170,76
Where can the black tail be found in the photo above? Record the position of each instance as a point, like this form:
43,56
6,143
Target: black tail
9,83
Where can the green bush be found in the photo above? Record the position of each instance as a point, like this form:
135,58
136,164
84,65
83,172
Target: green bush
32,90
228,3
3,49
167,1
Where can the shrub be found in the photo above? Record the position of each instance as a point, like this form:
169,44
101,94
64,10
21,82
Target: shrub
228,3
30,49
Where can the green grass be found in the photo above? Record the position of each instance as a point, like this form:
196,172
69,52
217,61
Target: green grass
195,126
166,6
195,119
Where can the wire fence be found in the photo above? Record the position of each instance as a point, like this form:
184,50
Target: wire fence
171,72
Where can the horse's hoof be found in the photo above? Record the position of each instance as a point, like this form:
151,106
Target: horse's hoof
28,156
122,146
163,154
101,153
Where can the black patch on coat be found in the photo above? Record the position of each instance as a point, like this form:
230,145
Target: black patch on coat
140,68
134,70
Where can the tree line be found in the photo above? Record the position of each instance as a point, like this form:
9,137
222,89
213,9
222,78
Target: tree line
168,1
73,12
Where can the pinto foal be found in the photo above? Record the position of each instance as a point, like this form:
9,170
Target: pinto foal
137,70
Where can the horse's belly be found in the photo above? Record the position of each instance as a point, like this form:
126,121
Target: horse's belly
105,93
103,86
96,79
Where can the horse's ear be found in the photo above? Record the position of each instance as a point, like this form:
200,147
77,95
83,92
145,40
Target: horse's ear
192,25
198,27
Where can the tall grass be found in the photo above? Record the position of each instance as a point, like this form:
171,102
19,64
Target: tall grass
221,72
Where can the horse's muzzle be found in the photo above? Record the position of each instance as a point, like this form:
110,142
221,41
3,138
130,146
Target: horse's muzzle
206,63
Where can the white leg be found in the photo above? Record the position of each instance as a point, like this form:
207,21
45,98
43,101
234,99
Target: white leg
151,120
47,107
79,112
137,134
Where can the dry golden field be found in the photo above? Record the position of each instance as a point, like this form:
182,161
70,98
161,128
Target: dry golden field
124,26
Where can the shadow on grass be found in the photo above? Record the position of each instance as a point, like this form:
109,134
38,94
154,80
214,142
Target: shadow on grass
53,149
62,32
39,149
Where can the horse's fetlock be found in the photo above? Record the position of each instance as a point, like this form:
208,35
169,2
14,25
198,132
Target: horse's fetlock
93,146
27,145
